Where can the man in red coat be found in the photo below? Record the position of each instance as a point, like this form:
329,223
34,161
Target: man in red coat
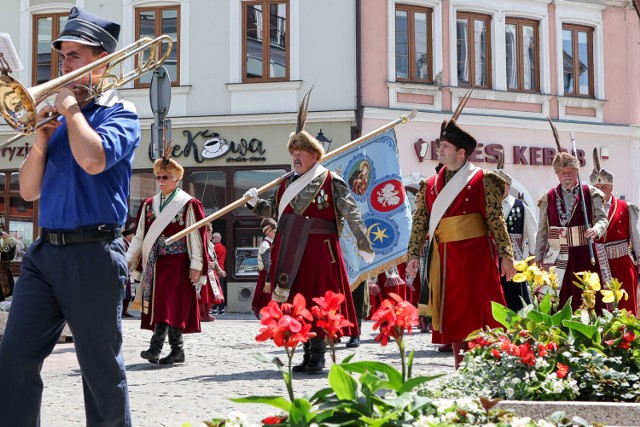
311,206
459,214
564,238
170,274
621,236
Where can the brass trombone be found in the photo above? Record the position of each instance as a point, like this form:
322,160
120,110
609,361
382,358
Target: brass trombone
18,104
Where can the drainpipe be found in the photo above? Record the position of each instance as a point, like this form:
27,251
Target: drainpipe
356,131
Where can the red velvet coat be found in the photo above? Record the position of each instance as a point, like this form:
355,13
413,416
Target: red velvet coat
173,297
322,266
622,268
579,257
469,271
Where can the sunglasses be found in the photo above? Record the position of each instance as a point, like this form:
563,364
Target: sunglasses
162,178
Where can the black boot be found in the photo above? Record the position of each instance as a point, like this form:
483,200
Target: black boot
177,351
317,349
157,341
305,359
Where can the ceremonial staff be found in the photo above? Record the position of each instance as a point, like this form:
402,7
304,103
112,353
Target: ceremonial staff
584,204
240,202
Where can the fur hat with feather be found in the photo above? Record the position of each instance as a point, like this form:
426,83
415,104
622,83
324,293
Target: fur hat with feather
166,163
562,160
450,132
599,175
301,139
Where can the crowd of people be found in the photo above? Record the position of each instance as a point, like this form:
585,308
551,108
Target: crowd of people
68,274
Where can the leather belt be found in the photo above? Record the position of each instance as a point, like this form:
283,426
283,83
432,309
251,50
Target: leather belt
81,235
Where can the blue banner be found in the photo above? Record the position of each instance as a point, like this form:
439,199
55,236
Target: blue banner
372,173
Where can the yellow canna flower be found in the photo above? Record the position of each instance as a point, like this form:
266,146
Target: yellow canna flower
519,278
607,296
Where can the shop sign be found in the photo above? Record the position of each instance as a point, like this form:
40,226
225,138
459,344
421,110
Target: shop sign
206,145
520,154
14,152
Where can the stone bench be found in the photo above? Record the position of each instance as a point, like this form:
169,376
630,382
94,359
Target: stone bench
605,413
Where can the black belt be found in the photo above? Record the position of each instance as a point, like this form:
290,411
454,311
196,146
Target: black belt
82,235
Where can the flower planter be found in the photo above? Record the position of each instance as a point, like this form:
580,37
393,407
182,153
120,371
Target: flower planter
607,413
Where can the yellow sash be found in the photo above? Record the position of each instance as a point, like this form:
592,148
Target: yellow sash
450,229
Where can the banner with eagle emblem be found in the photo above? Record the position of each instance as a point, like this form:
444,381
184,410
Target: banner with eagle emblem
372,173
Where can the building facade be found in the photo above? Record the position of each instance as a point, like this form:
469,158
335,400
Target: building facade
238,72
239,68
573,61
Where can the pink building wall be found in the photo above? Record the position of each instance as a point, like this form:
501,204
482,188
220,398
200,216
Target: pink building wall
621,37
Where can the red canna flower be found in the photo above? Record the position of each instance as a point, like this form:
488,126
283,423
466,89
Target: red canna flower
286,323
562,370
624,344
542,350
527,356
328,314
496,354
393,317
274,420
629,336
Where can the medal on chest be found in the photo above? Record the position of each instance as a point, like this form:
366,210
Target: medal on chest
322,200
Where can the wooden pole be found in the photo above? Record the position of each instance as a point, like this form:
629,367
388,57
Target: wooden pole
240,202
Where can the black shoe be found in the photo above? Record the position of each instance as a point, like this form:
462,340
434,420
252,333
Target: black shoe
314,366
299,368
214,311
176,356
222,311
150,355
354,342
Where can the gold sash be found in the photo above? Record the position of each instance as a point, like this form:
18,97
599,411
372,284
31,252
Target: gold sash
450,229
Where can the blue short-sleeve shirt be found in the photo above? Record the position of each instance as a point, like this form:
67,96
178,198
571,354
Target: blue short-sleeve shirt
72,198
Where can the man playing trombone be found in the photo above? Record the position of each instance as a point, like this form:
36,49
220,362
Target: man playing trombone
79,168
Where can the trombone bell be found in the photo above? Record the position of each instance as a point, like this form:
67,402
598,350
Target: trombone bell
17,106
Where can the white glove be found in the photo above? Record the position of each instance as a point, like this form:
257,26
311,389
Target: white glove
367,257
252,193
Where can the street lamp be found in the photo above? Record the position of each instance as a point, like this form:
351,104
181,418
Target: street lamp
326,142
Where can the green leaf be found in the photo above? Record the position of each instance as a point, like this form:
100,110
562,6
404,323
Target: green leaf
394,377
411,383
539,317
275,401
342,383
564,314
545,304
588,331
299,412
268,359
503,315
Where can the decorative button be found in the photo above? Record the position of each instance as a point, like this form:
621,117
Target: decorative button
468,187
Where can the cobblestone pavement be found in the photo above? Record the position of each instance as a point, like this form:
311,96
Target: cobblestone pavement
219,365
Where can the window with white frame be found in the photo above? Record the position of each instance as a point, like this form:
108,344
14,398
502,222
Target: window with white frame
473,49
522,55
577,55
265,41
413,44
153,22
